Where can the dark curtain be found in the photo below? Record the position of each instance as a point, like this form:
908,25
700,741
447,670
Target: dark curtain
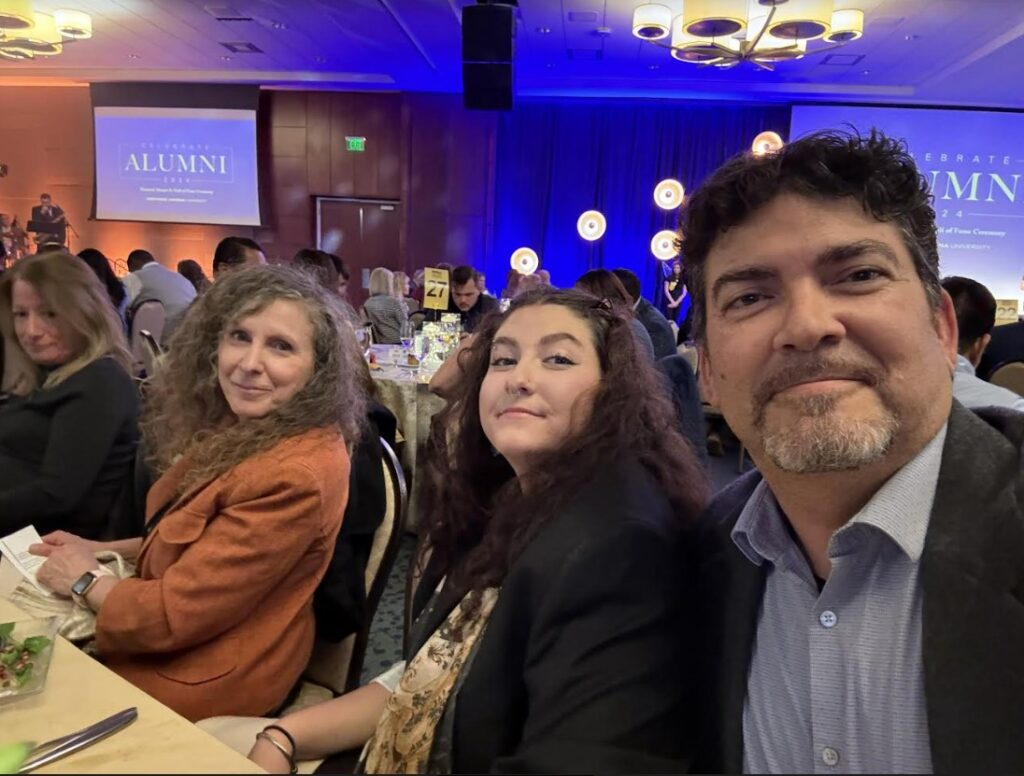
558,159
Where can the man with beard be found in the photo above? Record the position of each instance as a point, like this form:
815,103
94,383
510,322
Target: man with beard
865,587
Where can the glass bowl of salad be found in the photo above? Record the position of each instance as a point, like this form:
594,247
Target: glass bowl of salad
26,647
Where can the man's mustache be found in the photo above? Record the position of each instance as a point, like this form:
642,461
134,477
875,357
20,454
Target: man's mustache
811,370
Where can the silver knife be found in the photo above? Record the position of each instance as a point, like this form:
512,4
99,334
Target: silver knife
59,748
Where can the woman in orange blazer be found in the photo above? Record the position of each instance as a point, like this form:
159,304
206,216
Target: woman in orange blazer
248,422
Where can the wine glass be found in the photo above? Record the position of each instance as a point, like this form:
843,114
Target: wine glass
364,338
406,334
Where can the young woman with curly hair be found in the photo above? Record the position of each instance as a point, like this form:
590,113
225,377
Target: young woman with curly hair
553,609
248,424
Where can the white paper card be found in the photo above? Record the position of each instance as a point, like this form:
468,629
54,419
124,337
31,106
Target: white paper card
15,549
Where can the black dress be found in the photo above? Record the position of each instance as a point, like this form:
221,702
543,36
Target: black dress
66,452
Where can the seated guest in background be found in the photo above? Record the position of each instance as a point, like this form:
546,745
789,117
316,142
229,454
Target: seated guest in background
193,272
1006,346
511,282
401,288
481,282
975,318
325,267
248,426
545,277
604,285
341,289
657,325
385,314
320,264
100,264
526,284
343,276
860,583
467,300
69,428
554,613
151,280
234,252
417,286
50,245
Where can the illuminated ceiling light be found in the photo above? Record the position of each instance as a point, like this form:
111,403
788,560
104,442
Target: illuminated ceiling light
800,19
42,38
591,225
725,33
15,14
714,18
663,245
525,261
847,25
652,21
73,24
668,195
11,51
690,48
766,143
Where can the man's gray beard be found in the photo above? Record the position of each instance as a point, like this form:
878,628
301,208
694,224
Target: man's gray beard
823,441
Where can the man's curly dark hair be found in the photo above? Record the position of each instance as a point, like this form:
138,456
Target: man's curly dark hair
874,169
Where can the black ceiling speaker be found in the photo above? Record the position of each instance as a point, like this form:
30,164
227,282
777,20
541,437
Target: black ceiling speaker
488,49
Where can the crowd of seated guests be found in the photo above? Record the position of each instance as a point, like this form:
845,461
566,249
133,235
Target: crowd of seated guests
582,606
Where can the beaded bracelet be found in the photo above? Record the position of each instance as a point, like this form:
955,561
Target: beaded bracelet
292,768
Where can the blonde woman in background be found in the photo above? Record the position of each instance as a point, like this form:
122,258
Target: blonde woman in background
69,424
249,425
401,290
383,311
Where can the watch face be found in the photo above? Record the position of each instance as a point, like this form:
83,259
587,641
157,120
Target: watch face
83,583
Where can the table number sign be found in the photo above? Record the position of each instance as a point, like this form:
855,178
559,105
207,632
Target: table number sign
435,289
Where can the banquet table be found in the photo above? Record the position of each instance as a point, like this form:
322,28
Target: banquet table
81,691
413,405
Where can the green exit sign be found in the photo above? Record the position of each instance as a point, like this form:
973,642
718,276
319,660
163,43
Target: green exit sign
355,144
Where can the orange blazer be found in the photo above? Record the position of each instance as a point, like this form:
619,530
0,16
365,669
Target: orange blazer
220,617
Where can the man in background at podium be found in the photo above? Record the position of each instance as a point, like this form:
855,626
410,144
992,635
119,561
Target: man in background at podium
49,221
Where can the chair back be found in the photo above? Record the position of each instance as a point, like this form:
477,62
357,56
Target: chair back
147,316
339,666
1009,376
151,351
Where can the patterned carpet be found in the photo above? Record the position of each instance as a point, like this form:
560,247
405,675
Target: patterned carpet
385,645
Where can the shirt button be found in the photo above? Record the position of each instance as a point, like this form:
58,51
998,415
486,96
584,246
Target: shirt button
828,619
830,757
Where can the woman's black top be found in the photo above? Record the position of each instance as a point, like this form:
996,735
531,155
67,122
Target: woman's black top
66,452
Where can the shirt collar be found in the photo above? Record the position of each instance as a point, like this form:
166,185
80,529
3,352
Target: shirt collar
636,304
900,509
964,366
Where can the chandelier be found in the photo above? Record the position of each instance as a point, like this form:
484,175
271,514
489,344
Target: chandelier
724,33
26,33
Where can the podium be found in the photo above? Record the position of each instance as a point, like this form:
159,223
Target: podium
55,229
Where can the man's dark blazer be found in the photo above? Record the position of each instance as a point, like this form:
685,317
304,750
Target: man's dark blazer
586,663
972,583
658,327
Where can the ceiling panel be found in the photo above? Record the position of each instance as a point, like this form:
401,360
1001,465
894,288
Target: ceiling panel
964,51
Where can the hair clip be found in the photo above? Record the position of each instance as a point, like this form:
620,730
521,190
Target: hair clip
604,304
